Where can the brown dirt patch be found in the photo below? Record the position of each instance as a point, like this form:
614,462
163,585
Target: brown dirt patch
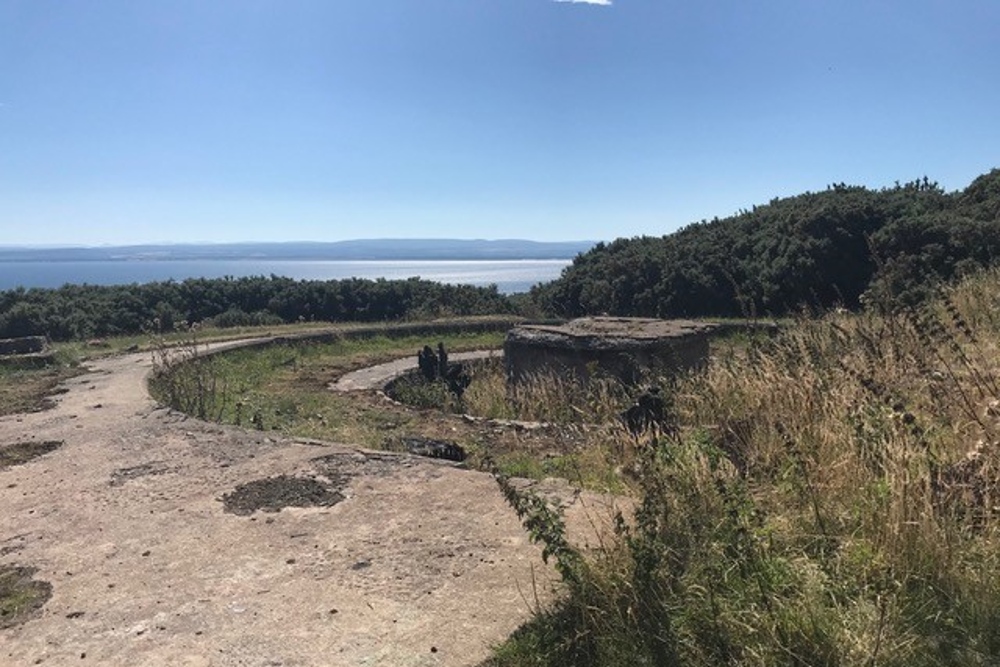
22,452
20,595
26,391
274,493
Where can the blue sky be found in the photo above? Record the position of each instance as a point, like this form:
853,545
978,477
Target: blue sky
125,121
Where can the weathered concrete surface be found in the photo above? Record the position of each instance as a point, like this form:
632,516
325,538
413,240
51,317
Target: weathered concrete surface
376,377
422,564
622,347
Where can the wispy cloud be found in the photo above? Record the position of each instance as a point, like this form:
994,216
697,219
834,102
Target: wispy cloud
605,3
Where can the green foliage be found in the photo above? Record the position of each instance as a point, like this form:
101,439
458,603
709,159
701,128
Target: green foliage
545,526
831,499
20,595
188,380
79,312
817,250
416,391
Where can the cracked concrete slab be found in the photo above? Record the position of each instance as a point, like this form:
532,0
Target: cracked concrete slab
421,563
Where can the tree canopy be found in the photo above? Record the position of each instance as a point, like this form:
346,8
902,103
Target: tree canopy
818,249
86,311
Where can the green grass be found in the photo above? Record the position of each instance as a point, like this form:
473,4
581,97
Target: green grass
20,595
283,387
26,387
29,389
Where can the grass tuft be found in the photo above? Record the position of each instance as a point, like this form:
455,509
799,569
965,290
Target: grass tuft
830,499
20,595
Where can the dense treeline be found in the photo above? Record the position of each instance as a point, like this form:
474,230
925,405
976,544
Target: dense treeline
819,249
87,311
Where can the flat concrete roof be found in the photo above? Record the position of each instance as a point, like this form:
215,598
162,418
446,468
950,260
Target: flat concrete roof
608,332
623,327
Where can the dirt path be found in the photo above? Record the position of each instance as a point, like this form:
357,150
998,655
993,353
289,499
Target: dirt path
420,564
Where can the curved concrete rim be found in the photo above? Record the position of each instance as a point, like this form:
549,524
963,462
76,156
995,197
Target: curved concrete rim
378,376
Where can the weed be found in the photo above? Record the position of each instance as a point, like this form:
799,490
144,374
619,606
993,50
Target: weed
186,378
29,388
831,498
20,595
22,452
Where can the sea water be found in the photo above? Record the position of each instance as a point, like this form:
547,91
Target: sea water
510,276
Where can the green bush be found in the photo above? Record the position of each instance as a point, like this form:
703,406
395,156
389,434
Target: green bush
832,499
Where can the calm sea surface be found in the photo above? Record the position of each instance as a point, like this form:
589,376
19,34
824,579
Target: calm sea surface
509,276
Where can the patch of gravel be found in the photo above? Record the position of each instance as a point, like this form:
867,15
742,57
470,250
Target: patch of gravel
271,494
22,452
20,595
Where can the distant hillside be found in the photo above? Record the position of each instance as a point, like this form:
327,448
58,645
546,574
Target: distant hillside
373,249
816,249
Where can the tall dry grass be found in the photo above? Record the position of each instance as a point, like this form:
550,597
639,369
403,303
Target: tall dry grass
831,499
545,396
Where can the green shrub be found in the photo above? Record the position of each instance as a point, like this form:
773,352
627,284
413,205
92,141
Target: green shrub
832,499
